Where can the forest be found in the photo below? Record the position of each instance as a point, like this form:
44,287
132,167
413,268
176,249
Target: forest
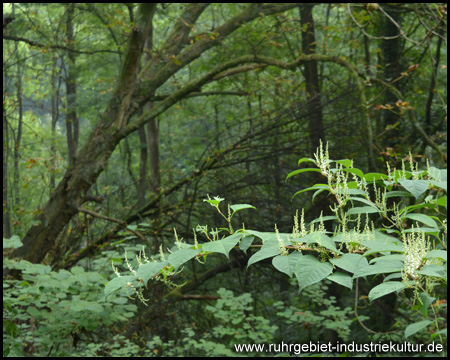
225,179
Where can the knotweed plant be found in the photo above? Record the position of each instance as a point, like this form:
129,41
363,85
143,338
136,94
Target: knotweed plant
392,224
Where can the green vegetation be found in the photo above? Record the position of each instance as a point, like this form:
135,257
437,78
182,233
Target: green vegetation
158,194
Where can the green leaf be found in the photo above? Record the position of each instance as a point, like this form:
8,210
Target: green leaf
438,174
383,244
341,279
148,270
302,171
309,270
316,193
320,239
439,184
374,177
442,201
214,202
245,243
415,187
268,236
385,288
306,160
381,267
424,303
423,219
434,270
241,207
286,264
357,172
269,249
222,246
118,283
178,258
350,262
441,254
363,210
365,201
398,193
416,327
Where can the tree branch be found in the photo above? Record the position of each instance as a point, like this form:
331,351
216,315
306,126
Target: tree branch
122,223
49,46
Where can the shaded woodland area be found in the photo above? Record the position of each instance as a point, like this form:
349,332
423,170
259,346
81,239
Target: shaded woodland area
119,120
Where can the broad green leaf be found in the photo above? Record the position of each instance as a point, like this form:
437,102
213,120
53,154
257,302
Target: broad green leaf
438,174
245,243
424,303
178,258
223,246
440,184
319,239
383,244
381,267
363,210
357,172
385,288
350,262
426,230
241,207
281,263
374,177
398,193
286,264
397,257
269,249
415,187
268,236
423,219
118,283
365,201
309,270
341,279
416,327
299,171
442,201
441,254
148,270
439,271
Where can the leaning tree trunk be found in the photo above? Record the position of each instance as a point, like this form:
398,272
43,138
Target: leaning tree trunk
93,157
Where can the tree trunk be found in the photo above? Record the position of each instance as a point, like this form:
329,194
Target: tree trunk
313,95
72,124
6,207
93,157
391,53
55,114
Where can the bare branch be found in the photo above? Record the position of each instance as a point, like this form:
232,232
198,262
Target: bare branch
52,46
123,223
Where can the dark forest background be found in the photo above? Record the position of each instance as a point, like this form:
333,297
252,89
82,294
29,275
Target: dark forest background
120,119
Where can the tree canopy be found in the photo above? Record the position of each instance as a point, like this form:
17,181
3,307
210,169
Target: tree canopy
124,123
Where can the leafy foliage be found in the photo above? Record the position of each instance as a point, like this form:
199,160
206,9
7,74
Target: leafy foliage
407,248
